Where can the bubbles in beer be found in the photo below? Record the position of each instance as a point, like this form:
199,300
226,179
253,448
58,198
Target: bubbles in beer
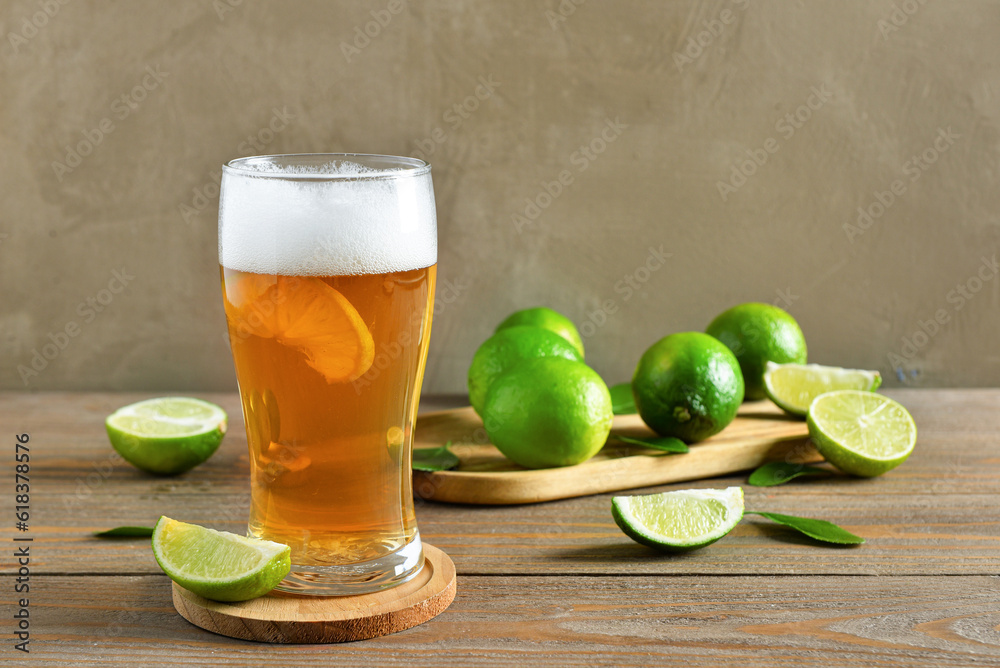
359,221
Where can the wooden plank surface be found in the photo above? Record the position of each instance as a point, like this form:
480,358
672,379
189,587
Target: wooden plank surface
554,583
907,535
935,514
564,621
760,433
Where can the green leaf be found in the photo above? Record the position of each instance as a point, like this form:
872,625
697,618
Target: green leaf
778,473
434,459
827,532
664,443
622,402
125,532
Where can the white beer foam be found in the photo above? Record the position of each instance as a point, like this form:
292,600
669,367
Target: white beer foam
335,227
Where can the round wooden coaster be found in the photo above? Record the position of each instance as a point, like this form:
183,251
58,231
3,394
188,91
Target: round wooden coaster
288,618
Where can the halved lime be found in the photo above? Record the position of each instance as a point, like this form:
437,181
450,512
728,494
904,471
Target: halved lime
861,432
168,435
679,521
217,564
794,386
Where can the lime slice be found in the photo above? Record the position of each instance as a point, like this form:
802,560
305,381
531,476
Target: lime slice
168,435
794,386
678,521
217,564
860,432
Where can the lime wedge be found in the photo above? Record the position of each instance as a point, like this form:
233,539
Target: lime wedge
861,432
794,386
217,564
168,435
678,521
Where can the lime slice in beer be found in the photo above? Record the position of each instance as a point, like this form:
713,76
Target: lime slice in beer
219,565
305,313
168,435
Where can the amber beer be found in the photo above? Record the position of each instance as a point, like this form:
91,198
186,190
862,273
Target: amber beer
329,315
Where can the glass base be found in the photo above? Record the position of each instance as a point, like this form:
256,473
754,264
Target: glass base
360,578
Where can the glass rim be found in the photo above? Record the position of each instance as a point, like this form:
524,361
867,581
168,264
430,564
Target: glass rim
396,166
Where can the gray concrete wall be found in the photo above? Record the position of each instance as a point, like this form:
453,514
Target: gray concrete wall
736,139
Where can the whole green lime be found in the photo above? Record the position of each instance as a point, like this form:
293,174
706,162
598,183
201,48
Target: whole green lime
507,348
688,385
758,334
546,318
548,412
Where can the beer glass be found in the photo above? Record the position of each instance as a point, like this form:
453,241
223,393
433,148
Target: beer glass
328,266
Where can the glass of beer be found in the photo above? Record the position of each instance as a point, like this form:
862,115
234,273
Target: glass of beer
328,266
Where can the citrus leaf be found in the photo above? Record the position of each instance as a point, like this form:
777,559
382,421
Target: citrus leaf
434,459
622,402
664,443
822,530
125,532
778,473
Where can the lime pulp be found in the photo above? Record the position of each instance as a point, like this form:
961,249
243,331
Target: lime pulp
862,433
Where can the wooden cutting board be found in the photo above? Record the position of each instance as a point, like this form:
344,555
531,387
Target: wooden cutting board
760,433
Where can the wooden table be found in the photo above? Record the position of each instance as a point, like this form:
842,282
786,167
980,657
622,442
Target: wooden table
552,584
